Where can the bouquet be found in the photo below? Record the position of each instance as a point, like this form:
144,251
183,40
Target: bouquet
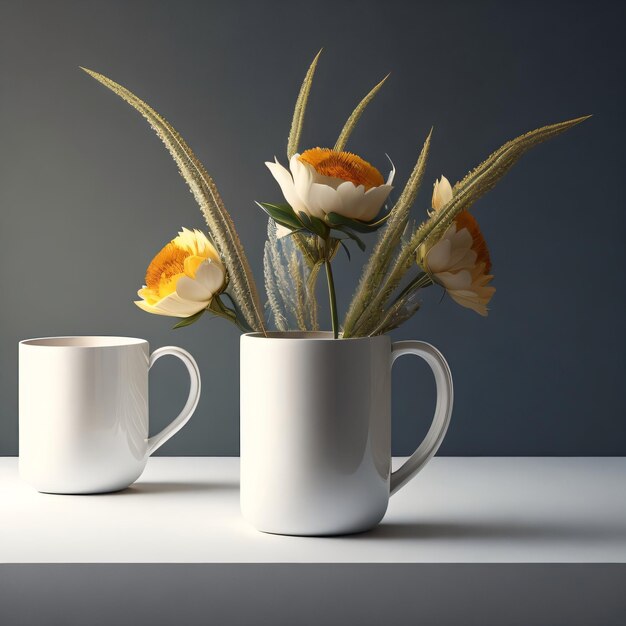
332,199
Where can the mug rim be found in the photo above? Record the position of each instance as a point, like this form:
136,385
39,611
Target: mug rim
82,342
305,335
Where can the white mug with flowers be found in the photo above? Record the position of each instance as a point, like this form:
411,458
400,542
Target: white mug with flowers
307,467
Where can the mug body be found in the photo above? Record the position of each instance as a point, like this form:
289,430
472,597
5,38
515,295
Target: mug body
83,413
315,432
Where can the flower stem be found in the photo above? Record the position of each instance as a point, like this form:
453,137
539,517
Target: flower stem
421,280
332,298
218,308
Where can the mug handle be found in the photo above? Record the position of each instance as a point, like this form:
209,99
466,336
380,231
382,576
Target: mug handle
155,442
443,409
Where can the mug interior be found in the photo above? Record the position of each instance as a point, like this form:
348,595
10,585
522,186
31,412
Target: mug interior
83,341
302,334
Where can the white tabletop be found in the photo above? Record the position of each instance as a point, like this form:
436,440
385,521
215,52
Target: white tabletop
458,510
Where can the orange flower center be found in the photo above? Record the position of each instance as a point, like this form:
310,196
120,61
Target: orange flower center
167,264
466,220
343,165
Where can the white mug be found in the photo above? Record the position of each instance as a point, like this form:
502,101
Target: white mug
316,430
83,411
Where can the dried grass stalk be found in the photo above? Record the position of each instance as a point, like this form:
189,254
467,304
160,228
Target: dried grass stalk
378,264
289,283
300,109
475,184
205,192
350,124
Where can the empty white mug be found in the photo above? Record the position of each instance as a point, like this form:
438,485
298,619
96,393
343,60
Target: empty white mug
83,411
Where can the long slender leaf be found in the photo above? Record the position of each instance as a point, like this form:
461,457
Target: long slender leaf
335,220
359,242
281,215
208,198
187,321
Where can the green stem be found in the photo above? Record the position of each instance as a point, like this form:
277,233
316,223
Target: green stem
421,280
220,310
240,319
331,297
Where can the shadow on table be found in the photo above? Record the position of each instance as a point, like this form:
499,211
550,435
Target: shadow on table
161,487
495,530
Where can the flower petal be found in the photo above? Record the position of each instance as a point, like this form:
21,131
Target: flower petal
373,202
392,173
193,290
211,276
455,281
286,183
351,199
438,257
324,199
462,239
192,263
196,243
470,301
442,193
462,259
303,176
172,306
149,295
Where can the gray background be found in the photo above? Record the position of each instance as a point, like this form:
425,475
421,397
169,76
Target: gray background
88,194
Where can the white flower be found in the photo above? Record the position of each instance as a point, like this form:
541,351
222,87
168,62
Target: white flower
325,181
460,260
183,277
442,193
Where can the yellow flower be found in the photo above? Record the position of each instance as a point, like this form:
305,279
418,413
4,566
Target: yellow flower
183,277
325,181
460,260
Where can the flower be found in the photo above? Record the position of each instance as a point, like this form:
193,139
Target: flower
183,277
460,260
442,193
325,181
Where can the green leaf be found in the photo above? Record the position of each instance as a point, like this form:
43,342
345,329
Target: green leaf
283,208
188,321
314,224
283,214
335,220
343,245
359,242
